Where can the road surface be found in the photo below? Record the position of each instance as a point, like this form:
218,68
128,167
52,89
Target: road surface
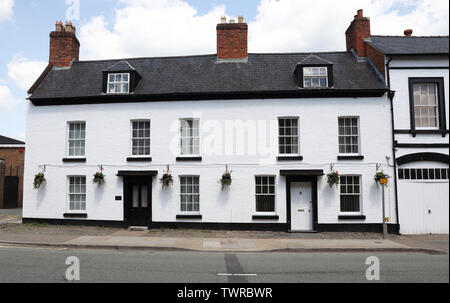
49,265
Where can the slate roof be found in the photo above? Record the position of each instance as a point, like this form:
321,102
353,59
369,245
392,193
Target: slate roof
121,66
401,45
313,59
10,141
204,74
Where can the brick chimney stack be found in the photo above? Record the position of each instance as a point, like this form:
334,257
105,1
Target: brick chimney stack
358,30
408,32
64,45
232,39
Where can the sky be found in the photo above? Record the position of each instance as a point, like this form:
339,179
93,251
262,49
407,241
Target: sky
145,28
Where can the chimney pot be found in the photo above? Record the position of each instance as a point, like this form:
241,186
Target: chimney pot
408,32
223,19
59,26
64,45
360,13
240,19
232,21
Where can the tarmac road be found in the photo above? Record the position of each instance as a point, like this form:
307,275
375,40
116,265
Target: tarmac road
48,265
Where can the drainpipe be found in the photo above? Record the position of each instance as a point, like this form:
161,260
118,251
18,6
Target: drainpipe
391,95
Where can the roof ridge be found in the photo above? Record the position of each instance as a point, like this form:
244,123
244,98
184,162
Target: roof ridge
207,55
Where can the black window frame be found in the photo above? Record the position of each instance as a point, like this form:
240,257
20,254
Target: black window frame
439,81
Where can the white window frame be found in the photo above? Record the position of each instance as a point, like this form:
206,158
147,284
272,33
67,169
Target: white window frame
68,139
68,193
359,136
259,213
193,138
353,213
436,106
298,137
194,212
132,138
318,76
118,83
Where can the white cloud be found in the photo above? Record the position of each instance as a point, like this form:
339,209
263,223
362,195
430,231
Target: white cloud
24,72
285,25
173,27
7,100
6,9
151,28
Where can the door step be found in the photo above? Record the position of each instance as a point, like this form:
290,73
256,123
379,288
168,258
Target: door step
138,228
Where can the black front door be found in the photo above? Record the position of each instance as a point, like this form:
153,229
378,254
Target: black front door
138,202
11,193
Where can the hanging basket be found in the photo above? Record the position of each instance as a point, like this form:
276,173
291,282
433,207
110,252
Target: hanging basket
226,180
167,179
333,178
39,179
99,178
381,178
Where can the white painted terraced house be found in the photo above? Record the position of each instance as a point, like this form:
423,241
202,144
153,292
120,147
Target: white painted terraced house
280,122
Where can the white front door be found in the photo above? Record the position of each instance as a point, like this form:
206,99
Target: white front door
301,206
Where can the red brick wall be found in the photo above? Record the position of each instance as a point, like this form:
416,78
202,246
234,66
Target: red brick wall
377,58
232,40
64,47
2,174
358,30
13,158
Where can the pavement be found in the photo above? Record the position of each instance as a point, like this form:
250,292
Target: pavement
12,233
10,215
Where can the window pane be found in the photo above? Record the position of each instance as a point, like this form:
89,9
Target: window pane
350,203
265,203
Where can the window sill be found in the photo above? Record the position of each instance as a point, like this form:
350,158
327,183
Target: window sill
186,159
266,217
290,158
187,216
352,217
117,94
139,159
415,132
74,160
75,216
353,157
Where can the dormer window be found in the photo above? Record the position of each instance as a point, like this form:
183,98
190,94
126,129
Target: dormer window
314,72
119,83
315,76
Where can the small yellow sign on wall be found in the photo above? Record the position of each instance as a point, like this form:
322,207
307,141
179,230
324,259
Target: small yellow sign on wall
386,219
384,181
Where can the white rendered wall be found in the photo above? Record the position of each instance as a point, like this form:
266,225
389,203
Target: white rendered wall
108,144
399,84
